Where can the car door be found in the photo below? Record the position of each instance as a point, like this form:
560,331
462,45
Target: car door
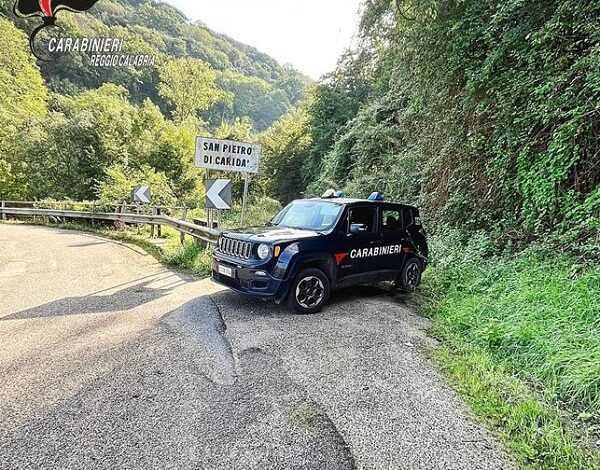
355,249
393,222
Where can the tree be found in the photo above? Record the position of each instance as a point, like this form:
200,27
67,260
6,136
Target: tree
252,97
23,98
166,147
240,130
286,146
329,108
484,113
84,135
190,86
95,130
119,181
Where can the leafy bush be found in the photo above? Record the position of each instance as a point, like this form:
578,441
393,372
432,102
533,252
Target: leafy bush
260,210
120,181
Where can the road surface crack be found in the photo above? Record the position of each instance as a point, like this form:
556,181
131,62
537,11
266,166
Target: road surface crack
221,328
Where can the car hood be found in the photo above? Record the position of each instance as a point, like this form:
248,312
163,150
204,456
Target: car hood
271,234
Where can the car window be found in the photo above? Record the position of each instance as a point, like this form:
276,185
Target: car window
391,221
365,216
308,215
407,219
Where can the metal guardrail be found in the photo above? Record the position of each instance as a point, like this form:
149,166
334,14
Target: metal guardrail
202,233
94,206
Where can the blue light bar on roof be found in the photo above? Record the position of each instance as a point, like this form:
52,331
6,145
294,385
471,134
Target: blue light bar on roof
376,196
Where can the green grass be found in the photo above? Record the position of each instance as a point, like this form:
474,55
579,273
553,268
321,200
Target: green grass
522,344
191,256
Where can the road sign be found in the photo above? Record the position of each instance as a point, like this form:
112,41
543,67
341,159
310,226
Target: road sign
227,155
218,194
142,194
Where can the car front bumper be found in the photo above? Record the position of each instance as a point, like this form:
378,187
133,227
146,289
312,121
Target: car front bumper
249,280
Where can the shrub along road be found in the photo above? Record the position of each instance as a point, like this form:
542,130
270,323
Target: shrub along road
109,360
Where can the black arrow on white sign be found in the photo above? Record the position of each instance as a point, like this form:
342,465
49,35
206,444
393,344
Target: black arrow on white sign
218,194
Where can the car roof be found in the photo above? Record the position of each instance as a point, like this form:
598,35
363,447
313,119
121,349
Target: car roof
351,201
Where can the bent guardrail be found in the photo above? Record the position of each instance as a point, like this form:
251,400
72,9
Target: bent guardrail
206,234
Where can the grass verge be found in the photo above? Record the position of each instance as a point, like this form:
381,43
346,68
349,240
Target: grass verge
522,345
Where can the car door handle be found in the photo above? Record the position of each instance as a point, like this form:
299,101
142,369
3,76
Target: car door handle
376,242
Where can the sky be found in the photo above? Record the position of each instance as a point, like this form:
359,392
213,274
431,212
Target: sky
309,34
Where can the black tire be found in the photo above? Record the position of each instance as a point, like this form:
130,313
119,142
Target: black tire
410,276
310,291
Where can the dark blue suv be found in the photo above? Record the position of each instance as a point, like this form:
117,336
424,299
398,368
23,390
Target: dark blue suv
315,246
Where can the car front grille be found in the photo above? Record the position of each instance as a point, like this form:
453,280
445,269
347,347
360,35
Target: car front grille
236,248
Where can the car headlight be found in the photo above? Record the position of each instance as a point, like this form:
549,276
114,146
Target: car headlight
263,251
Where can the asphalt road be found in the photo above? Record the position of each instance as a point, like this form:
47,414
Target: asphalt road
109,360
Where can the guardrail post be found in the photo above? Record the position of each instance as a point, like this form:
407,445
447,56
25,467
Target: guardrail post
137,211
183,217
2,206
159,230
152,226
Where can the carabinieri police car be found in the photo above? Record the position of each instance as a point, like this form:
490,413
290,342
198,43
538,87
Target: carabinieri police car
315,246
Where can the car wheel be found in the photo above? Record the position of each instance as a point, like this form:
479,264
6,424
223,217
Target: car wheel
310,291
410,277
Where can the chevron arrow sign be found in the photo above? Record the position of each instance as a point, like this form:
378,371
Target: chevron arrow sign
142,194
218,194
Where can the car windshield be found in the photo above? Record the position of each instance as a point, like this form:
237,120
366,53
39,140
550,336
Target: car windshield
308,215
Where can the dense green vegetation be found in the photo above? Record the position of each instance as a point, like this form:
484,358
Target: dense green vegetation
253,83
521,341
537,313
483,113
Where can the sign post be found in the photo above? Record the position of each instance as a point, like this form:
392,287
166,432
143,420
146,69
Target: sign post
244,200
228,156
141,195
218,194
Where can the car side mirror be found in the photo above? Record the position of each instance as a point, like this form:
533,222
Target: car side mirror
357,229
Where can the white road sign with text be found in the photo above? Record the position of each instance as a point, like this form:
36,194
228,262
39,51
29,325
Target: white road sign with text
227,155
